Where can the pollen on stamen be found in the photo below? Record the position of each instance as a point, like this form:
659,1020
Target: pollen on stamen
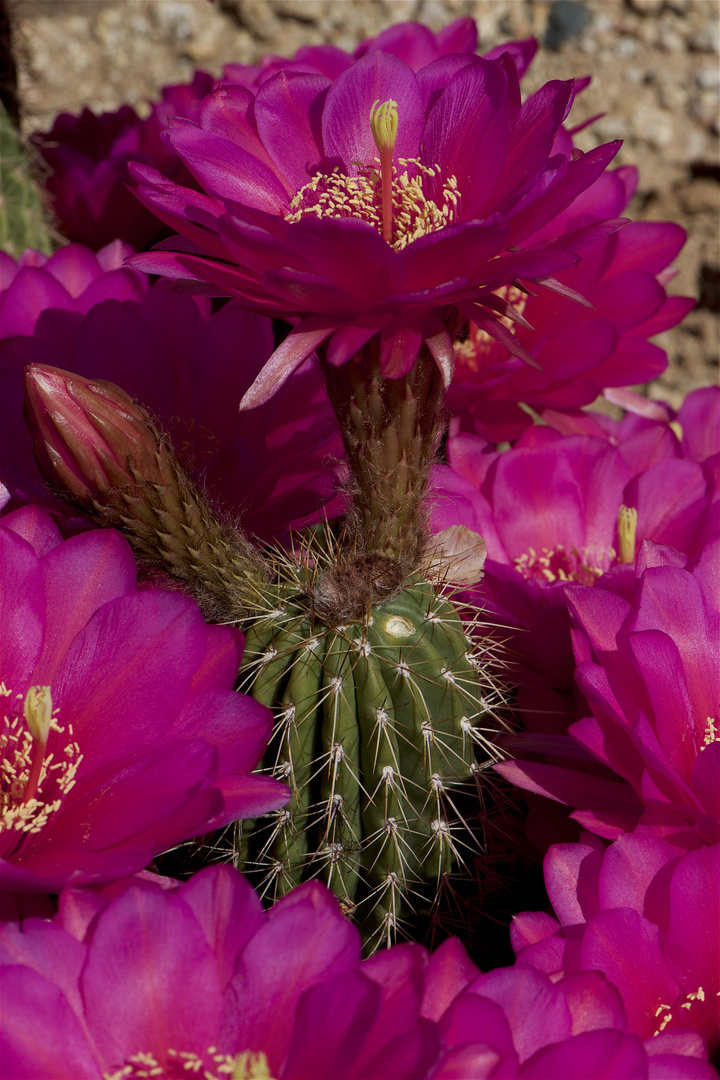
33,778
559,564
711,732
414,214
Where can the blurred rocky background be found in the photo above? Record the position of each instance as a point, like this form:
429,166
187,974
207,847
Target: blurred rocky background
654,63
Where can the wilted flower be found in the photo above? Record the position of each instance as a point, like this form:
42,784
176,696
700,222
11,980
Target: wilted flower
646,919
310,209
122,734
197,979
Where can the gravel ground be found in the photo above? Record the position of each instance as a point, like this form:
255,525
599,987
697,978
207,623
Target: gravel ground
654,64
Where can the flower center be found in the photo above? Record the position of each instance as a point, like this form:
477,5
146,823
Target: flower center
584,566
479,350
393,203
184,1063
692,1002
557,564
38,765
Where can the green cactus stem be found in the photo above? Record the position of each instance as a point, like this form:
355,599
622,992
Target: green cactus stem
376,722
22,213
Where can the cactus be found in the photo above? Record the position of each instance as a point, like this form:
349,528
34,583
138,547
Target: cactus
22,214
376,722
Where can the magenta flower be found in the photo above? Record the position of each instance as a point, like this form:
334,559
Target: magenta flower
647,920
411,42
651,428
122,735
198,979
73,279
86,158
648,664
517,1022
580,350
298,220
550,512
190,367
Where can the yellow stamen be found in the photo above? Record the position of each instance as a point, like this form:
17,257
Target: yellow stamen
627,528
384,125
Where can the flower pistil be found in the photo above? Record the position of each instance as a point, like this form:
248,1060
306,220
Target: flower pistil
384,125
27,767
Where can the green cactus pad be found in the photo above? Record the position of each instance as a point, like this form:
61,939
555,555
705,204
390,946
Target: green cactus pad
375,723
22,216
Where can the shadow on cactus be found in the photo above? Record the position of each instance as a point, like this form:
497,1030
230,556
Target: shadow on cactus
383,705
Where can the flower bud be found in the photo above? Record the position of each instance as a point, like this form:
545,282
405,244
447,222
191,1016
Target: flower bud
117,467
86,432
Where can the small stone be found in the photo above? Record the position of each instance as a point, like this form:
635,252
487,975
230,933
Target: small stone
706,40
646,7
567,19
708,78
626,47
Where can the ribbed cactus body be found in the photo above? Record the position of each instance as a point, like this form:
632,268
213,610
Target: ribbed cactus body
375,721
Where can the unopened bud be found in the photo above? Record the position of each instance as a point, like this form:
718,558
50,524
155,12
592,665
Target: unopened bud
86,431
118,468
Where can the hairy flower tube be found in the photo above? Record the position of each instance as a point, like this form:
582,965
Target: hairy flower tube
290,216
122,735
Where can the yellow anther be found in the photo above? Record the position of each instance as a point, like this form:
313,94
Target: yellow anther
384,124
38,712
251,1066
627,528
